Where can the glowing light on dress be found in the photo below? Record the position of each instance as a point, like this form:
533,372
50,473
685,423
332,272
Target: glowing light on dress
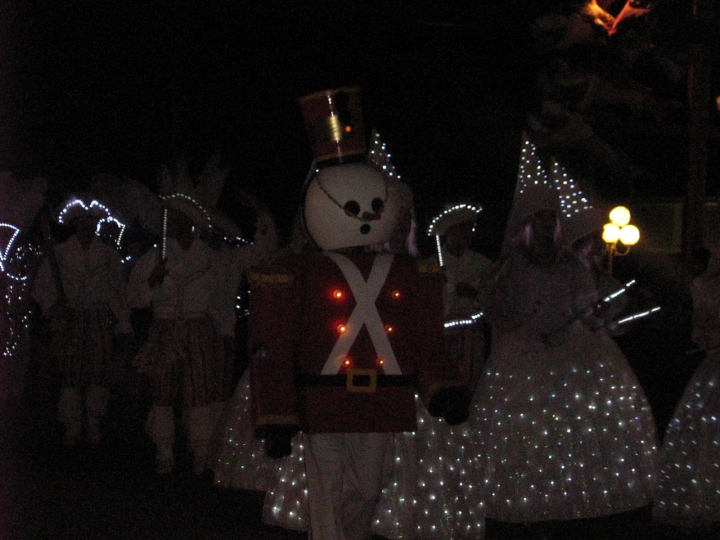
16,315
5,252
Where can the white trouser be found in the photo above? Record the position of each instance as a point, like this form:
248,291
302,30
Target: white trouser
70,411
160,427
201,424
96,405
344,474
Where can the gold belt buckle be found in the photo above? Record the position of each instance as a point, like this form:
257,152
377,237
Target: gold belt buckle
361,380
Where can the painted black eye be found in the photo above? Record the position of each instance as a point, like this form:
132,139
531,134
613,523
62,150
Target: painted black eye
365,228
352,208
377,205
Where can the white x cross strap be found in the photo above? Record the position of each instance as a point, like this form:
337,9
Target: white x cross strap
365,313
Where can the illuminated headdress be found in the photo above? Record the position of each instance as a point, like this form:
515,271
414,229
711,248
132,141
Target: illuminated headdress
452,215
80,206
84,205
538,188
197,198
178,191
379,156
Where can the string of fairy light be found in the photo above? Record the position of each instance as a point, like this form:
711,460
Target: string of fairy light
15,265
379,156
532,172
235,241
572,199
94,207
4,252
442,215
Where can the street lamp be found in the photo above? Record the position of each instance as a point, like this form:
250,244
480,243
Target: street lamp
619,235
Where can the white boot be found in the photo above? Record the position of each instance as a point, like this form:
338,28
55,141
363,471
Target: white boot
96,404
160,427
201,428
70,414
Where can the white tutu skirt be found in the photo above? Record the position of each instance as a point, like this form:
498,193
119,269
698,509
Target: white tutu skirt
432,486
688,486
564,431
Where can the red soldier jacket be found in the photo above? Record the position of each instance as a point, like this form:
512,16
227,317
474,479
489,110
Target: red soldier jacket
341,343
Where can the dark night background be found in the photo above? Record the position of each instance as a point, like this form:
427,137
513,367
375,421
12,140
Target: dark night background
124,86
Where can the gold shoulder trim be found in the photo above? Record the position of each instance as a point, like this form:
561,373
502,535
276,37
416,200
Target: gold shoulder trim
270,276
429,268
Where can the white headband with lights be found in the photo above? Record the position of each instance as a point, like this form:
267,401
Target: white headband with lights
94,208
434,224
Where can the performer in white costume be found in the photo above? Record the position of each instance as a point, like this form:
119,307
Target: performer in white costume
564,429
465,273
191,286
81,287
688,490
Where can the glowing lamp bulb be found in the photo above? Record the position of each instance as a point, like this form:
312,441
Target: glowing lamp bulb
611,233
341,328
389,329
380,362
347,362
620,216
348,129
629,235
337,294
396,294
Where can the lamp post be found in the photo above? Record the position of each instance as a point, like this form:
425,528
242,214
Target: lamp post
619,235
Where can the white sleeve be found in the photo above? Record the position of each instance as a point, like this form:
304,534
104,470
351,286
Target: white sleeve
43,290
226,284
139,293
119,303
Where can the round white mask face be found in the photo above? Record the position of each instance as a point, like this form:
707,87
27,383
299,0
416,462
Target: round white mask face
350,205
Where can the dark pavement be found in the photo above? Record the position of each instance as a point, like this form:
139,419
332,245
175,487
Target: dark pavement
112,492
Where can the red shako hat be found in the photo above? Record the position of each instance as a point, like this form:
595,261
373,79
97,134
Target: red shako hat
333,119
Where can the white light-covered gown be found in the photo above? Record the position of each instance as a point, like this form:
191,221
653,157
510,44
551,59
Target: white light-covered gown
431,486
688,488
564,429
431,478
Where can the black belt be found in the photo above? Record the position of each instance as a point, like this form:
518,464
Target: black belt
357,380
